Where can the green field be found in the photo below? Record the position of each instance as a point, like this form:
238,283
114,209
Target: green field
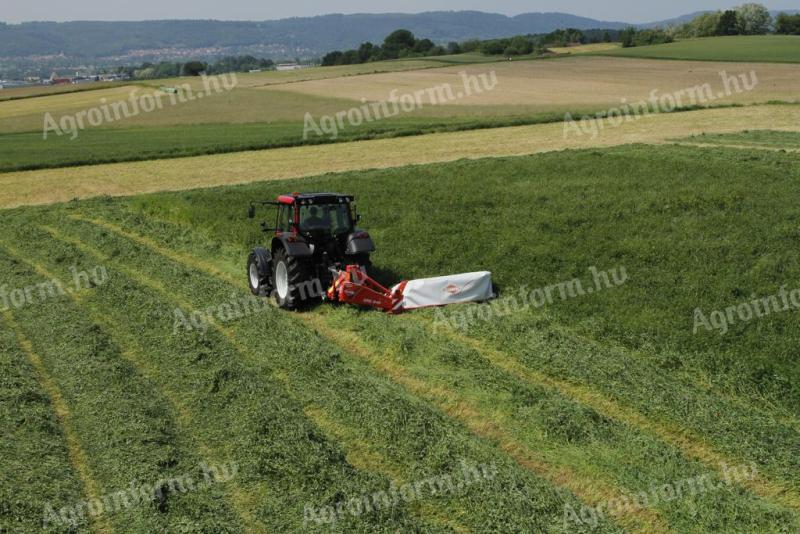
754,138
29,150
576,402
748,48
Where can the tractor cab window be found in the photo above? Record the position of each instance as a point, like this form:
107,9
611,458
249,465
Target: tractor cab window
334,218
285,218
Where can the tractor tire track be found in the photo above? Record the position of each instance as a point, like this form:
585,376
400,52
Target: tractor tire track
594,492
317,416
136,358
77,455
692,446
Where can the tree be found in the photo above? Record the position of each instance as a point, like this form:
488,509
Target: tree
787,24
627,36
332,58
728,23
423,46
606,37
193,68
399,41
754,19
365,51
453,48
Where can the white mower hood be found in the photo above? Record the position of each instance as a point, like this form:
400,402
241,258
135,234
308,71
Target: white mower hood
444,290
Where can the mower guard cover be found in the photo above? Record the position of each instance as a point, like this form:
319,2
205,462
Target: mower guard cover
353,286
444,290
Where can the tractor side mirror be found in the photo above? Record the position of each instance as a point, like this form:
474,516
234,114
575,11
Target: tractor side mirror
251,213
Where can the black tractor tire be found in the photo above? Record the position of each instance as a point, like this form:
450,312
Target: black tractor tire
259,272
293,286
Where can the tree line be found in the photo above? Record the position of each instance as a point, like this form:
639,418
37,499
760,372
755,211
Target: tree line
402,44
171,69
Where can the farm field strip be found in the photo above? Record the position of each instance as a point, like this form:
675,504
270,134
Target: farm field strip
132,351
149,450
75,452
579,81
587,486
227,334
141,279
690,445
61,185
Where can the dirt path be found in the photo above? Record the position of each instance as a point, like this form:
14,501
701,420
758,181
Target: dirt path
121,179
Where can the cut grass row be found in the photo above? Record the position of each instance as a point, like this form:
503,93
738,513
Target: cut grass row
603,451
38,451
750,138
590,459
242,413
401,411
128,442
361,403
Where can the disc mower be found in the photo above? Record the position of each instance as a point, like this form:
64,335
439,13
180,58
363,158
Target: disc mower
315,245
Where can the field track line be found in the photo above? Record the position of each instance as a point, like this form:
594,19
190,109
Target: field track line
237,496
741,147
219,272
593,492
77,455
228,333
692,446
362,456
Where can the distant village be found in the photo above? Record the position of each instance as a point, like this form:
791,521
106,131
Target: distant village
57,79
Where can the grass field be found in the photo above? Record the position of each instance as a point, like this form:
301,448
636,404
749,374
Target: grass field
580,401
752,48
756,138
64,184
498,417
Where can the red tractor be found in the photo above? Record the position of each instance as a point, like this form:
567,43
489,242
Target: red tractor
315,245
314,239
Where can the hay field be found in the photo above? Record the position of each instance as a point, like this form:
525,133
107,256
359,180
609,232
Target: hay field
59,185
569,82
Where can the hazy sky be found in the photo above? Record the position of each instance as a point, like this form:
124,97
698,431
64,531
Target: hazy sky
616,10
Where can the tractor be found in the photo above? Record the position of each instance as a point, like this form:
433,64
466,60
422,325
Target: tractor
314,239
315,245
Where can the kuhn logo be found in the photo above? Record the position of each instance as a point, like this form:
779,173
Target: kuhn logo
453,289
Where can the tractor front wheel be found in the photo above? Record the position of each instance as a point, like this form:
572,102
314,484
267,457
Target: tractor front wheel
259,270
292,284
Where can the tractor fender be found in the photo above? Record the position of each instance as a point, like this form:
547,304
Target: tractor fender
297,249
359,242
264,262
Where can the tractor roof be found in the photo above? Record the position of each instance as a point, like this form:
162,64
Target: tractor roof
315,198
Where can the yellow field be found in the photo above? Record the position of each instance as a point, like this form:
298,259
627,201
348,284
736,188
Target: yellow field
59,185
569,82
585,49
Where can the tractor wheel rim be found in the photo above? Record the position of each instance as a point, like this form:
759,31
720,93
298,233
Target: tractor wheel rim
255,279
282,280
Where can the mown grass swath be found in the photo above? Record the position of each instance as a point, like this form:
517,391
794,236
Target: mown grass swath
37,469
361,404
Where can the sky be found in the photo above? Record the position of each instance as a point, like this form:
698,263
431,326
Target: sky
634,11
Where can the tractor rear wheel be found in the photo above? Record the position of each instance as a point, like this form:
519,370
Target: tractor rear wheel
291,279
